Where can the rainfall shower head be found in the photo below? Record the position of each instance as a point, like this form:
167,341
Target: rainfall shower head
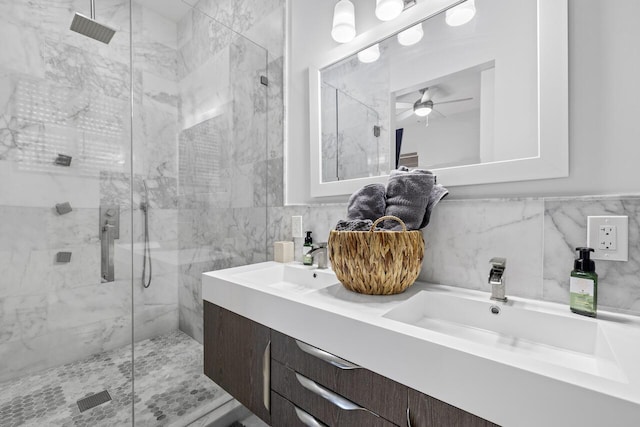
91,28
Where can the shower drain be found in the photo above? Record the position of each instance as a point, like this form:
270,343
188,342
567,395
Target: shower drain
94,400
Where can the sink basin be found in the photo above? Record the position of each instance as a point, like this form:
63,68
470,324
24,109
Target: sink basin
289,277
517,326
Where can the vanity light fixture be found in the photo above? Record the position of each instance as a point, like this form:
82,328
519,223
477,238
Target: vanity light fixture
344,22
461,14
423,108
411,35
370,54
386,10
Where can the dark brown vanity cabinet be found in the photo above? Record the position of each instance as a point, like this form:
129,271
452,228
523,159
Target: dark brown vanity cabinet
289,383
237,357
370,392
425,411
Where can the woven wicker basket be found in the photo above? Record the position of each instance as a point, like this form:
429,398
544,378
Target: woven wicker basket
377,262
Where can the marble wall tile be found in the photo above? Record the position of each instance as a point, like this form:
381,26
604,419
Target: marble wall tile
24,53
269,29
31,238
159,93
320,219
275,100
155,27
184,28
244,236
154,57
63,346
190,297
464,235
565,228
155,142
202,98
205,38
22,317
67,308
240,16
537,236
73,67
153,321
274,184
22,228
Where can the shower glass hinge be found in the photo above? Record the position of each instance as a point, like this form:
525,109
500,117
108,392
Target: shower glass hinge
264,80
376,131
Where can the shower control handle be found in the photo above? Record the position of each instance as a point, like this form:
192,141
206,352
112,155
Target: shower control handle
109,223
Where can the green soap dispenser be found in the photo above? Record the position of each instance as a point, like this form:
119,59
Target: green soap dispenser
307,258
583,285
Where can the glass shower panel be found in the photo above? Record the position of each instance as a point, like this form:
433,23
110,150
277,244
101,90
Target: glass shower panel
200,186
359,149
65,331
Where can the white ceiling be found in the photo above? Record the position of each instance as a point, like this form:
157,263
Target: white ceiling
170,9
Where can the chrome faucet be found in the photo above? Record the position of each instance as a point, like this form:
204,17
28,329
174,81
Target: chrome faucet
496,279
321,257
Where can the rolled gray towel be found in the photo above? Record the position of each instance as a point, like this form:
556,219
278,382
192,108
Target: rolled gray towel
437,193
367,203
355,225
408,195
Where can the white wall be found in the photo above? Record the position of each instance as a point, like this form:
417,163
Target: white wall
603,109
446,142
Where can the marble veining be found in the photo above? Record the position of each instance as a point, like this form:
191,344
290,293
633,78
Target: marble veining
459,244
566,228
537,236
84,70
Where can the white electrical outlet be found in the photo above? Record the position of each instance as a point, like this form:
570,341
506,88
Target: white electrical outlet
609,237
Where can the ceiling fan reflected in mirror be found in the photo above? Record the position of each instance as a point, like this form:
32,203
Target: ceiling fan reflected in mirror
423,106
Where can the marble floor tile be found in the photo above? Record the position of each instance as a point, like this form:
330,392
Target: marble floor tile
170,388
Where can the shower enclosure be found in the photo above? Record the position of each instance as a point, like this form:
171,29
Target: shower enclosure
147,152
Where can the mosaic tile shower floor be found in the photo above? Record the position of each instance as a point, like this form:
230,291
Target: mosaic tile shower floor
170,388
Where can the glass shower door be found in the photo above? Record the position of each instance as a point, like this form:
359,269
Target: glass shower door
199,178
65,315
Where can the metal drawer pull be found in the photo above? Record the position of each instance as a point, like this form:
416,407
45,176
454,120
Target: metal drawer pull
307,419
266,376
408,417
327,394
326,356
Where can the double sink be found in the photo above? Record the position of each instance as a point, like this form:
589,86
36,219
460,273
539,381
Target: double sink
542,338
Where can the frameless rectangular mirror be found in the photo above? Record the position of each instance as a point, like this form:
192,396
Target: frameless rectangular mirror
477,103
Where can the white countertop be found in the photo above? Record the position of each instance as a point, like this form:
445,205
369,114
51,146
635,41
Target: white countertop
502,386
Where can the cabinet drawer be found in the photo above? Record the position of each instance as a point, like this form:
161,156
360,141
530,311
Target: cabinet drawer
426,411
324,404
363,387
286,414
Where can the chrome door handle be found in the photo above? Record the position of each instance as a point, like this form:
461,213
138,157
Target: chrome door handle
266,376
307,419
329,395
107,253
326,356
408,417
